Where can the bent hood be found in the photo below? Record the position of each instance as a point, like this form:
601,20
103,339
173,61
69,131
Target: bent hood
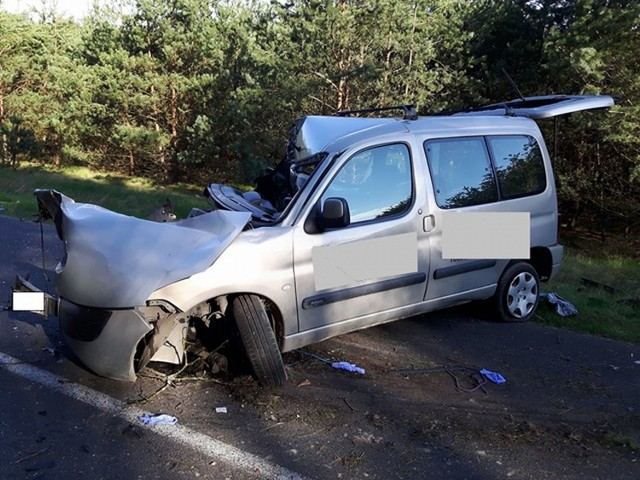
116,261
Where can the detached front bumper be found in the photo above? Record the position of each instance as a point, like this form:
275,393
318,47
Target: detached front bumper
104,340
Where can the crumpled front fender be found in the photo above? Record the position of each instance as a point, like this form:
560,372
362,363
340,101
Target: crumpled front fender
115,261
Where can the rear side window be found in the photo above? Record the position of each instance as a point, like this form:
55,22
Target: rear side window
519,165
461,172
478,170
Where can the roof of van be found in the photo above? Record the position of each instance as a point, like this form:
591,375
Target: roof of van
313,134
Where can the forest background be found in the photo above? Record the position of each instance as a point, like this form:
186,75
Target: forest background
203,90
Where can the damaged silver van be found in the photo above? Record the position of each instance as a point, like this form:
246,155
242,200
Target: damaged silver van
365,221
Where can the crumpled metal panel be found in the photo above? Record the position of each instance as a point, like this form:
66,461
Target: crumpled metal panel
312,134
116,261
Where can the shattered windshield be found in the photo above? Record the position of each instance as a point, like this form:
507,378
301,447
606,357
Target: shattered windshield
300,173
279,185
274,190
303,169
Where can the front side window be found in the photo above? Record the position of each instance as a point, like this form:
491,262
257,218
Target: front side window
376,183
461,172
519,165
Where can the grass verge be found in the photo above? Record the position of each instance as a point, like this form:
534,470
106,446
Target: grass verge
603,281
134,196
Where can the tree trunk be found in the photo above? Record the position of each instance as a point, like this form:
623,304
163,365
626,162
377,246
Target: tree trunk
340,104
172,172
411,52
601,199
3,140
387,70
156,114
132,163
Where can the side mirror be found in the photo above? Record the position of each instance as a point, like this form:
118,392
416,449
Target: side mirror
334,214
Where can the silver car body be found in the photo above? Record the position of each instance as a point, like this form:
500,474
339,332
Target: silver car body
276,262
318,282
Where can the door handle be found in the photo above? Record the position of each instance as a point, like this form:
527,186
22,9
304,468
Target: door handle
428,223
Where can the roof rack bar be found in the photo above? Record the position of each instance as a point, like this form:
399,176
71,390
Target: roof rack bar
408,110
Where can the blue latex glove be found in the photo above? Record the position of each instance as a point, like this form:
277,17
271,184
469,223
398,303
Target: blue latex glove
350,367
493,376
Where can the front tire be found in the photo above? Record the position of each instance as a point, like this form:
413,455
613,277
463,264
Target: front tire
259,340
518,293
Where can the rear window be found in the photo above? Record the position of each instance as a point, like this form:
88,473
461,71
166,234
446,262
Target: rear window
477,170
519,165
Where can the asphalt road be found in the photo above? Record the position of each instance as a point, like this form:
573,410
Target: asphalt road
45,433
570,407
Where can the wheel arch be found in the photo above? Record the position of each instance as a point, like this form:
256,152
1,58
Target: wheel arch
541,259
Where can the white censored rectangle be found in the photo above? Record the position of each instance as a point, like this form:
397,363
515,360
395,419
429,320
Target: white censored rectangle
494,235
356,262
28,301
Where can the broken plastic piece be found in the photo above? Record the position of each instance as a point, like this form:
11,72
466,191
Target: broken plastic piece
159,419
493,376
563,308
221,409
350,367
592,283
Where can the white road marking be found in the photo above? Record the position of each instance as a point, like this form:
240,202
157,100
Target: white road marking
212,448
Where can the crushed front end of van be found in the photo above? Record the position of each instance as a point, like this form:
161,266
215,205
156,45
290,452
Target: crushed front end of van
111,264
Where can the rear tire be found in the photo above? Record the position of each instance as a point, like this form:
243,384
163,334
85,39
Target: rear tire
518,293
259,340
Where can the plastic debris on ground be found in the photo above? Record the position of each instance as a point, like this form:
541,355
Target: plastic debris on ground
587,282
350,367
493,376
159,419
563,307
478,378
221,409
